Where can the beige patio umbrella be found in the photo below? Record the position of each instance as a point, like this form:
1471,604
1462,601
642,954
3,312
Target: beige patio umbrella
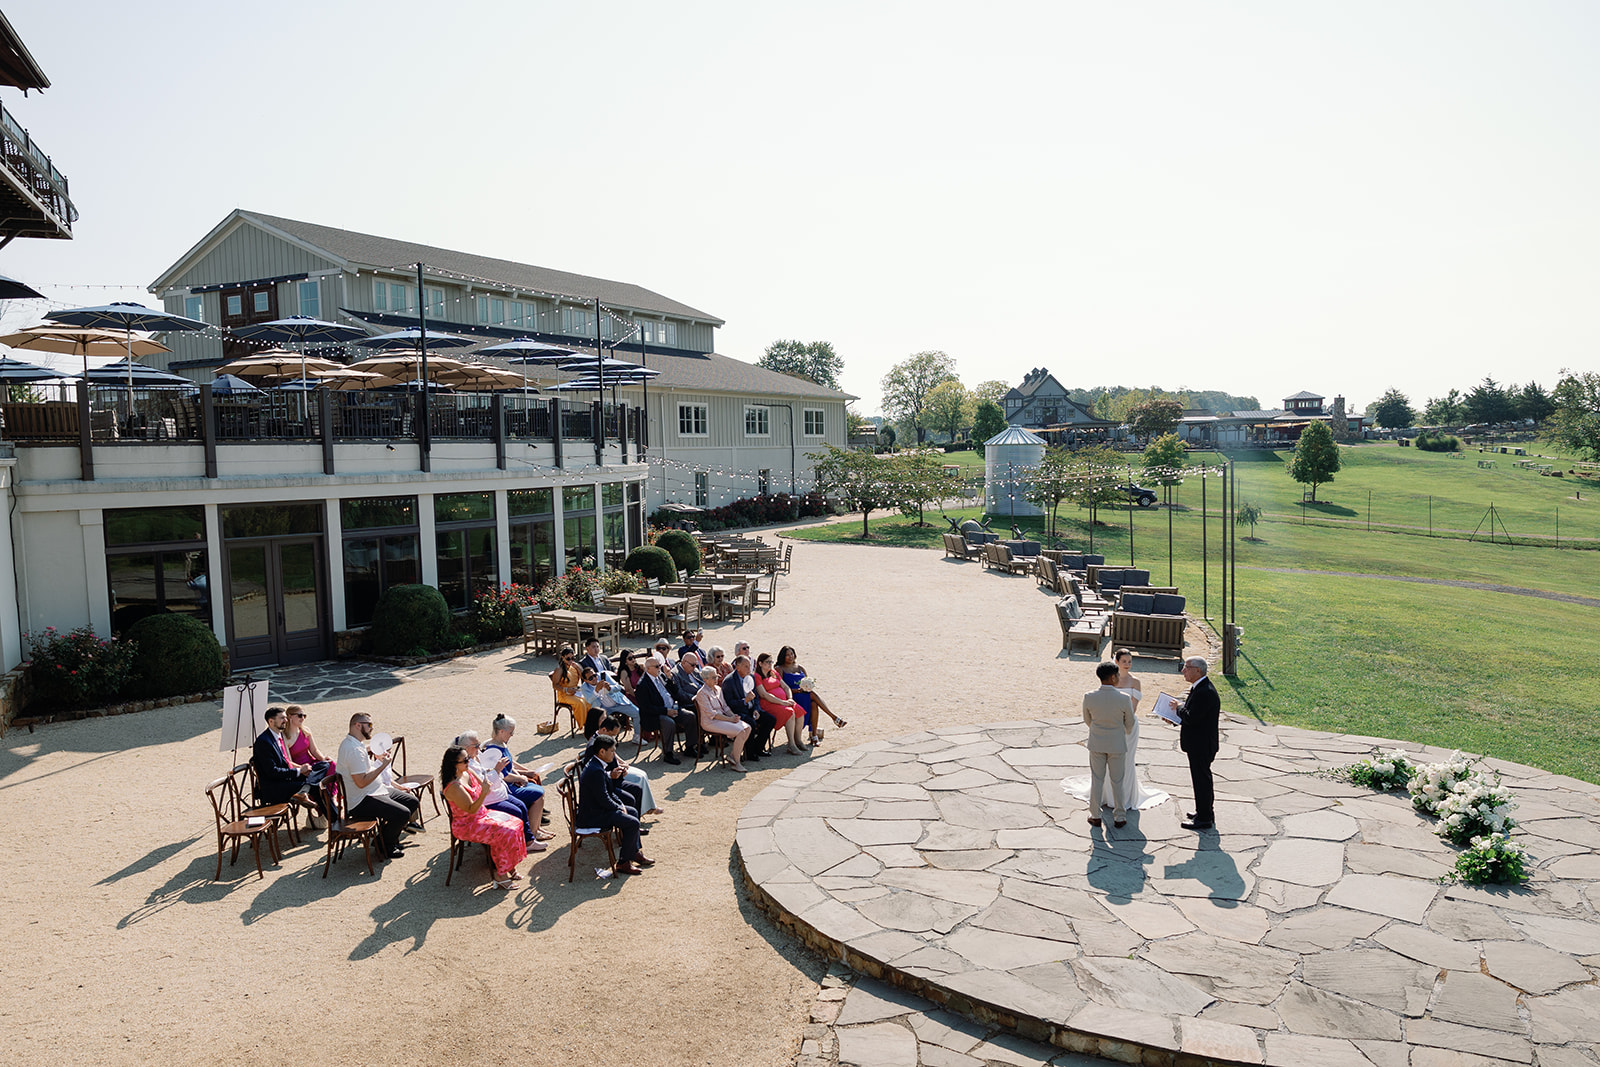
338,379
279,363
82,341
407,367
478,377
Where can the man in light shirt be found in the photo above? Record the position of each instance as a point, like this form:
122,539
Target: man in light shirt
365,795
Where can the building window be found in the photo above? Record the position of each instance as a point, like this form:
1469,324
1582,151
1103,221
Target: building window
577,512
235,304
263,301
380,296
577,322
311,299
516,313
616,526
814,422
464,532
702,489
436,303
156,562
659,333
691,420
380,549
194,307
399,299
757,422
763,482
533,538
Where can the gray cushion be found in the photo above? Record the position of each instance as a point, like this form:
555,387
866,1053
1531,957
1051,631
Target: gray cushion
1072,563
1110,579
1096,560
1025,548
1136,577
1138,603
1167,604
1067,607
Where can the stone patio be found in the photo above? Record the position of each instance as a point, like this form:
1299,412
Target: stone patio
1310,928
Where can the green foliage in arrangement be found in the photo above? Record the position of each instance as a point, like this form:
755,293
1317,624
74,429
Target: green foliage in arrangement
1491,859
77,669
652,561
1434,441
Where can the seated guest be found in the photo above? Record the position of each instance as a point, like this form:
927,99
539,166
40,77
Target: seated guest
471,820
719,659
739,690
592,657
793,677
566,678
717,717
604,699
303,753
522,781
601,807
776,699
634,783
691,643
658,708
365,795
279,780
685,684
663,652
488,767
629,673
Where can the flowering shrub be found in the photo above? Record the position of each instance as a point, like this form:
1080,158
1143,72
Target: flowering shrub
497,613
1389,771
78,669
576,588
1430,783
1490,857
1476,807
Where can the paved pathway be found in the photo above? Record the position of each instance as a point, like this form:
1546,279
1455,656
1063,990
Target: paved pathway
1309,929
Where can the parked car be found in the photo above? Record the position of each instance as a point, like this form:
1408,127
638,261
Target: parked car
1138,494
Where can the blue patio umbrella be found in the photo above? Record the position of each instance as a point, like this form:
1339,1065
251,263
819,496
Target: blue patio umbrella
129,373
127,317
232,385
527,350
18,372
411,338
11,289
301,330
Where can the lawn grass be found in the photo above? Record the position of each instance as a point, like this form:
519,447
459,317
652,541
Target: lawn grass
1494,673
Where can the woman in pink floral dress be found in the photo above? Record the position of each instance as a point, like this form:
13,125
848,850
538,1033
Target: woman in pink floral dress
471,821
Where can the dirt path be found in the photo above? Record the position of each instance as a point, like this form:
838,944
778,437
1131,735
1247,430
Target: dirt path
1516,590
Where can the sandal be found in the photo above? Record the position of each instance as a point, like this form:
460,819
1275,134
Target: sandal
504,883
839,723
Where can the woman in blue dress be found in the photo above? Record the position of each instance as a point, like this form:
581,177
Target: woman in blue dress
794,676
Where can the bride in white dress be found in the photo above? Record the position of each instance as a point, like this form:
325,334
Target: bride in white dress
1135,796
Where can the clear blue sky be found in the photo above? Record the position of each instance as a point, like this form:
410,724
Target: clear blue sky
1257,197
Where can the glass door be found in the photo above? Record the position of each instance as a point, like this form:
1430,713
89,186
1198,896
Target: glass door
275,603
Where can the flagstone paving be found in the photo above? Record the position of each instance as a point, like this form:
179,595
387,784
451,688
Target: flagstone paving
1309,928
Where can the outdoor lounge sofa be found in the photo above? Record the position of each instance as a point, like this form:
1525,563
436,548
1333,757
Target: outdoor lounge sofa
1079,628
1149,623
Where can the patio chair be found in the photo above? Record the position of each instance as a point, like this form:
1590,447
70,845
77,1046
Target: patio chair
568,789
1148,634
769,597
1079,628
285,816
788,552
458,852
415,784
641,616
341,830
223,794
1045,572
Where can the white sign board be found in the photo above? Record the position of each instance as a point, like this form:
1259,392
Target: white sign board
242,709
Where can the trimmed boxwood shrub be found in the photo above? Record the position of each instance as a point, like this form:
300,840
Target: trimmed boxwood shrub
652,562
685,551
177,655
1438,442
410,620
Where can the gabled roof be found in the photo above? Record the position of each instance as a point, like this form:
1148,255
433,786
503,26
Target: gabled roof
1303,395
17,65
1032,385
1264,413
367,251
715,373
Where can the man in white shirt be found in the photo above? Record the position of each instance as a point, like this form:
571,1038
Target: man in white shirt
365,795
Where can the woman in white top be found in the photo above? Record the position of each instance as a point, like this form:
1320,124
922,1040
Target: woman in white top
1135,795
716,717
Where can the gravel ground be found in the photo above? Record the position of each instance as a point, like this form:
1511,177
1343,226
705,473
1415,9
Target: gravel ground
121,949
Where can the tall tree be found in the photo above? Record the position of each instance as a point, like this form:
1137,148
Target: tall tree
861,480
1152,418
1487,402
920,481
987,420
1316,457
1392,411
1575,423
949,408
1164,460
1098,474
1050,483
1444,410
993,389
1534,403
907,385
815,360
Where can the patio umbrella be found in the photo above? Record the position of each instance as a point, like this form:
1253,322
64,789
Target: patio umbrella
129,373
11,289
229,385
274,363
127,317
401,339
16,372
341,379
81,341
478,377
407,367
302,330
527,350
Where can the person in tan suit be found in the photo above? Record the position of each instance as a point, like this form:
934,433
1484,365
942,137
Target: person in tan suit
1109,714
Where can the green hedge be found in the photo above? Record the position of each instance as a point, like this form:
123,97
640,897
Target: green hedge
410,620
685,550
177,655
652,562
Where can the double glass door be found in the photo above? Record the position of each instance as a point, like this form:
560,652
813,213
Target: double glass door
276,606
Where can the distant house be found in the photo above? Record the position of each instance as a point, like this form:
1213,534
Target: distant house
1042,403
1269,427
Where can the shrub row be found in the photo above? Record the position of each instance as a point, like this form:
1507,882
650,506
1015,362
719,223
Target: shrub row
752,511
161,655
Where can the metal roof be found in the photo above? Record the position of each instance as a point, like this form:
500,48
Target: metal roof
17,65
1303,395
1015,435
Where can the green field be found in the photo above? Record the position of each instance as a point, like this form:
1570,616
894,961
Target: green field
1492,672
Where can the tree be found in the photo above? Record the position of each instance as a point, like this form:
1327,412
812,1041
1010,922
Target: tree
907,385
1534,403
987,420
816,361
1155,417
1444,410
1248,513
1051,482
1575,423
1316,457
1488,403
1165,458
919,480
948,408
993,389
1392,411
1097,481
856,424
861,480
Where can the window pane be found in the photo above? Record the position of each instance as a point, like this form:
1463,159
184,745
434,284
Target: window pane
533,553
194,307
133,589
485,562
530,501
235,305
380,296
263,301
297,566
497,311
401,560
463,507
397,297
247,573
577,498
452,561
616,538
635,491
186,584
139,526
579,533
367,513
611,494
362,580
271,521
311,299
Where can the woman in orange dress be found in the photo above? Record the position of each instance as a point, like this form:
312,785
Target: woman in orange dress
566,678
777,701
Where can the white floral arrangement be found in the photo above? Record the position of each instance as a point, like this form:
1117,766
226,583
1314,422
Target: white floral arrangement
1491,857
1391,770
1477,807
805,685
1431,783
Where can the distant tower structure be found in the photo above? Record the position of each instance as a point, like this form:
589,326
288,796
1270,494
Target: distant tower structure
1341,425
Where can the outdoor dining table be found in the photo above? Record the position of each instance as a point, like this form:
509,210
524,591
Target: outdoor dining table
663,605
720,592
596,623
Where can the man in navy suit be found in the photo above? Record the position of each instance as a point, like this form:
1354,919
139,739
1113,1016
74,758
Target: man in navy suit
1199,731
600,806
738,689
658,708
278,780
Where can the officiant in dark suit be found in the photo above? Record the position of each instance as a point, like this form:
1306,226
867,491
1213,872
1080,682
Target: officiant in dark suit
1199,730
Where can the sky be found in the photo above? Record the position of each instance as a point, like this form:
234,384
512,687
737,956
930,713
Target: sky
1259,198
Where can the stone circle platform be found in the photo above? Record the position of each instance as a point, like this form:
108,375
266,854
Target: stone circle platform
1310,928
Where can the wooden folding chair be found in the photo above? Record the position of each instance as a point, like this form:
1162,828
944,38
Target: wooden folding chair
282,815
458,852
341,830
224,796
568,788
415,784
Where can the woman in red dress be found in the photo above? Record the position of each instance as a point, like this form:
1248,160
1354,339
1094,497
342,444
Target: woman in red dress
471,821
778,702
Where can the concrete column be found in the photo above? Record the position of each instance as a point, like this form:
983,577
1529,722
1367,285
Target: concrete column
216,588
96,584
333,553
599,530
502,535
558,518
10,616
427,541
